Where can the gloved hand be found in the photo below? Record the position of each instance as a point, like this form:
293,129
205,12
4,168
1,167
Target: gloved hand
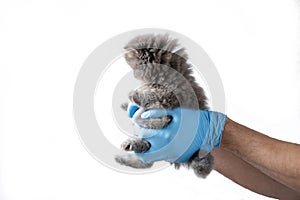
189,131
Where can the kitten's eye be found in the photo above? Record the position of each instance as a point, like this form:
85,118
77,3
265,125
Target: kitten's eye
147,104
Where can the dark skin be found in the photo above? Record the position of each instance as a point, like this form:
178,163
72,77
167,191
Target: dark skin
273,171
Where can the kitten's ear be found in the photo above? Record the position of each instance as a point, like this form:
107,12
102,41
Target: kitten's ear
131,57
131,53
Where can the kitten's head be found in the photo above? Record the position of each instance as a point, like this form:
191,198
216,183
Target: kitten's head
151,56
137,58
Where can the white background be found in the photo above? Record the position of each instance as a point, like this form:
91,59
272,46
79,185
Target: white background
254,44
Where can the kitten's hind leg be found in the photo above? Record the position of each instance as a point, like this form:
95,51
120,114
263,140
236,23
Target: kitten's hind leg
135,145
132,161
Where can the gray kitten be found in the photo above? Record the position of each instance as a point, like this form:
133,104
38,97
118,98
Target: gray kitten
159,62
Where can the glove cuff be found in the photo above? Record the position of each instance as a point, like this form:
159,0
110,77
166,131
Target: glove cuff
216,128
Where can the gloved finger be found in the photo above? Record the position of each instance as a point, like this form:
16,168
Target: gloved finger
155,113
132,108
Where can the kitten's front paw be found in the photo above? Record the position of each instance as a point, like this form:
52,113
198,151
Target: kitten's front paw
135,145
154,123
124,106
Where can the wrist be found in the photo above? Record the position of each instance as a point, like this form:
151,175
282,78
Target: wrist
214,131
225,143
230,140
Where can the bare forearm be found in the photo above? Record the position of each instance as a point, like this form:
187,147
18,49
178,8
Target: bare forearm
277,159
250,177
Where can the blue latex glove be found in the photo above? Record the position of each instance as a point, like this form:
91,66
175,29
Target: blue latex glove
189,131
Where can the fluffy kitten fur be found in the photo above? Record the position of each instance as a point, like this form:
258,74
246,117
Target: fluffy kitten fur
159,62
